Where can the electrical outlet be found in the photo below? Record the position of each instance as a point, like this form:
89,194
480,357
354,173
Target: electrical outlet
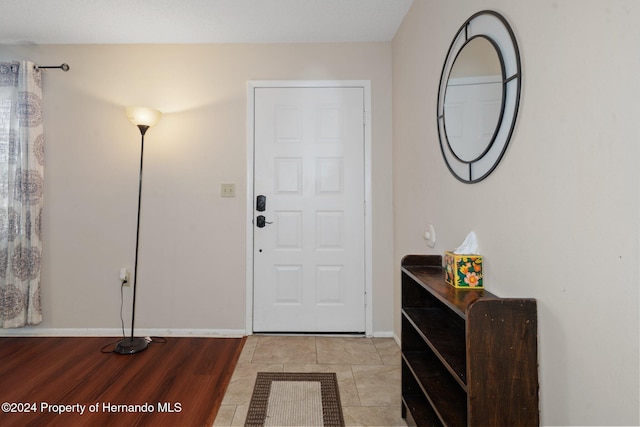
124,276
227,190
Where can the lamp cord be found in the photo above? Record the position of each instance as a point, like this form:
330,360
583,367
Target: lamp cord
124,281
102,350
160,340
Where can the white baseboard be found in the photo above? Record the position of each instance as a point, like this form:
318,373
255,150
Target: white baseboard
114,332
383,334
397,340
158,332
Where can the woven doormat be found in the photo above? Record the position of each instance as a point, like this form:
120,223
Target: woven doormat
295,399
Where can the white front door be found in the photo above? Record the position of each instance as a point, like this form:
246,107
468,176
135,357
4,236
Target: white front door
309,255
472,111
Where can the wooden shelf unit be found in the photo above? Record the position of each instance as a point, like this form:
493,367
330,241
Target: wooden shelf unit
469,358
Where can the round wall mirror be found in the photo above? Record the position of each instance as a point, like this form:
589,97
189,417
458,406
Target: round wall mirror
478,96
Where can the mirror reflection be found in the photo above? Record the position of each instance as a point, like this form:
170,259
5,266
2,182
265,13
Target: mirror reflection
473,100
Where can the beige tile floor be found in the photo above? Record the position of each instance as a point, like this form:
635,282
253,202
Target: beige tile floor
368,372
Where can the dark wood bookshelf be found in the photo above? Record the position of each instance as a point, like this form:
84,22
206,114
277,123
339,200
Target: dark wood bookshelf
468,357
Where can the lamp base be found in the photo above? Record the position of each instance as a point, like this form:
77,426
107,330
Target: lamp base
131,345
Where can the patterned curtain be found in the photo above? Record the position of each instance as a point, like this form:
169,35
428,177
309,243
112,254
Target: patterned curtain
21,185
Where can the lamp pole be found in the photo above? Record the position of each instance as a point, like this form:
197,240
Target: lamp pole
143,130
143,118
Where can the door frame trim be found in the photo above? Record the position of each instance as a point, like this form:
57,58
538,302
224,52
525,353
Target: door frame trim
368,246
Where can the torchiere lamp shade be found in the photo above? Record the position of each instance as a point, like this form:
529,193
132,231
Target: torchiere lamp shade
142,116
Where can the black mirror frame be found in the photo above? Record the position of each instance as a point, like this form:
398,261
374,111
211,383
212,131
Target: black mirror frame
493,27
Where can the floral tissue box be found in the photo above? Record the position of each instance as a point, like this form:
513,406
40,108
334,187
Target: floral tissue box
463,271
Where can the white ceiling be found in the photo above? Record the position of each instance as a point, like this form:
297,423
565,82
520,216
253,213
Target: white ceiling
199,21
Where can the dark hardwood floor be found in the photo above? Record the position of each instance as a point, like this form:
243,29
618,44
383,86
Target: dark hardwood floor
177,383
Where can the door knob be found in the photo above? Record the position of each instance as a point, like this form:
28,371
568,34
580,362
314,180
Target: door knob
261,221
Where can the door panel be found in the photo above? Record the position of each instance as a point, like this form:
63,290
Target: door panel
472,111
309,163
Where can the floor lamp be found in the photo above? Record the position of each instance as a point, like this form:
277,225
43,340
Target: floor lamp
143,118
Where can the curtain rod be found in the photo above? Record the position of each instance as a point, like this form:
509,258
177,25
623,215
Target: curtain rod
63,67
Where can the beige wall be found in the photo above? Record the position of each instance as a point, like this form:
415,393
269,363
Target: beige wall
558,219
192,256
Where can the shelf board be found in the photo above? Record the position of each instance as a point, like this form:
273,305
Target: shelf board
445,395
419,409
445,338
458,300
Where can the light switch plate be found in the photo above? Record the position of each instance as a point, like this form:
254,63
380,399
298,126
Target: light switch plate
227,190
